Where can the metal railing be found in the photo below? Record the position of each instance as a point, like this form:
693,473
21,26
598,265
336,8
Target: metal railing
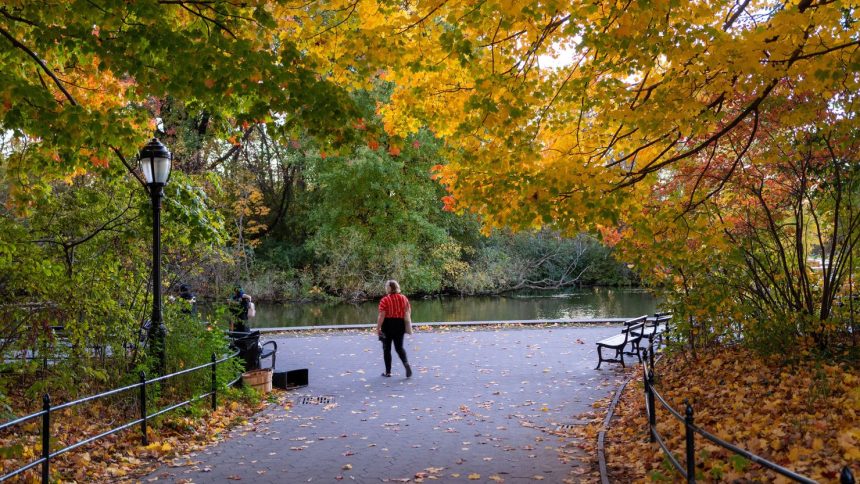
691,429
47,410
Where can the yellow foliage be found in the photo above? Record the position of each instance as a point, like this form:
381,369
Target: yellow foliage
548,137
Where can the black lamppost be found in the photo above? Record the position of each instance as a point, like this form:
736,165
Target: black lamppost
155,165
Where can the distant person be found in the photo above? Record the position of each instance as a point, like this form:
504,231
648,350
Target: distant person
391,325
239,308
186,295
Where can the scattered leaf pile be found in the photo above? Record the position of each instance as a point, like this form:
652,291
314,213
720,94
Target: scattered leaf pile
122,454
804,416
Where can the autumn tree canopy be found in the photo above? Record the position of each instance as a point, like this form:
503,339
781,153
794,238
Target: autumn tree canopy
635,87
561,106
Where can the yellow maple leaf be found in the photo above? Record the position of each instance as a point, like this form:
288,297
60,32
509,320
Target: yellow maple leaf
776,444
794,454
817,444
474,477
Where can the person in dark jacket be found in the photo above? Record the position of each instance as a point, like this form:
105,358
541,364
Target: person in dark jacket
186,295
239,308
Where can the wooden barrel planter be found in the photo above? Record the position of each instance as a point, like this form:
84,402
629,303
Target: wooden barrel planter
260,380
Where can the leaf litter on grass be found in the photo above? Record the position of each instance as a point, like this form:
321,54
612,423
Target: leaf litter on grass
804,416
122,456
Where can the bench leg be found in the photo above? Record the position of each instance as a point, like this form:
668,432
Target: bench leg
621,354
599,356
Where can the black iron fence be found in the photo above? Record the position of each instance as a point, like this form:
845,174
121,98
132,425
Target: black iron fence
691,430
142,422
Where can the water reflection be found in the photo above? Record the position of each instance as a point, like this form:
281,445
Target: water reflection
579,303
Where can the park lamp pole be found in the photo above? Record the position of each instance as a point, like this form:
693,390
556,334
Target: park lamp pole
155,165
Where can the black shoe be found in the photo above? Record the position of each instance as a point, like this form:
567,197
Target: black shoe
387,375
408,371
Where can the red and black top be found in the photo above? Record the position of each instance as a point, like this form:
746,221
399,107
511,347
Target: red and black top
394,305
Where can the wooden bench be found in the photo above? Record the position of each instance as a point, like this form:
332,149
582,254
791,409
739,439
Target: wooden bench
654,327
662,323
250,349
631,334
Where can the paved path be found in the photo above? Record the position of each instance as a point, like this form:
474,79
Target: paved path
478,404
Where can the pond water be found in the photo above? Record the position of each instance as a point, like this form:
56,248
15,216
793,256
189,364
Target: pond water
590,302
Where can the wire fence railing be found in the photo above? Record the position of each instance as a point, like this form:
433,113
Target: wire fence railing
47,455
688,470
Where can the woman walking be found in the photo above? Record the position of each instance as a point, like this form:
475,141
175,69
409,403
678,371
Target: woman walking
391,325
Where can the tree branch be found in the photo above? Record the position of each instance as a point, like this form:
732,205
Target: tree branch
41,63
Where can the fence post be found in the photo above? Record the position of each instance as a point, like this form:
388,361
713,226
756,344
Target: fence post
691,445
651,353
846,477
647,393
46,438
214,382
652,412
143,412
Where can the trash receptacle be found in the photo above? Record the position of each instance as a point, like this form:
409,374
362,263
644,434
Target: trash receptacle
290,379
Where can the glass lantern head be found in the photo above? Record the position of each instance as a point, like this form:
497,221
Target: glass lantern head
155,162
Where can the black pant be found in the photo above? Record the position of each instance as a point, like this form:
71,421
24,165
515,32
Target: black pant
390,329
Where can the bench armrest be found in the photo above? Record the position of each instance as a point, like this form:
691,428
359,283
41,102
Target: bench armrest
274,346
272,351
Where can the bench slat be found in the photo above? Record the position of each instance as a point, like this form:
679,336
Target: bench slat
616,340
